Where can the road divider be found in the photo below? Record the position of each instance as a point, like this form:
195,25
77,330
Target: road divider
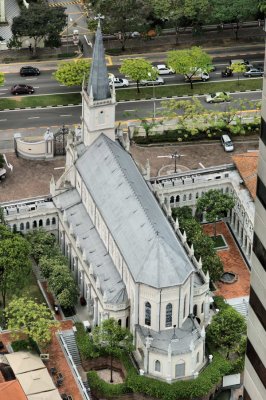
146,93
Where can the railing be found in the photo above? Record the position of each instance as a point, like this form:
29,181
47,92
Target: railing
75,370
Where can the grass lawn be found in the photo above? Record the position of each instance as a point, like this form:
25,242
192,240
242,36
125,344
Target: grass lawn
218,241
131,94
40,101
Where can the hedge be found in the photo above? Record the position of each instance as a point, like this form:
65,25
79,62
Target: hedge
189,389
211,133
25,345
84,343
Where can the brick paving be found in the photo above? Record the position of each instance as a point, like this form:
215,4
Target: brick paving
233,262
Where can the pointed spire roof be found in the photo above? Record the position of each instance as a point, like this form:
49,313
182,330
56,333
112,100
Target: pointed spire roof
98,85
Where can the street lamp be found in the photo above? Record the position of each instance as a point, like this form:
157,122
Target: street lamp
153,95
68,20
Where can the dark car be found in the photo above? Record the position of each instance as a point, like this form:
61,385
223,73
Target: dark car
227,72
22,89
29,71
254,72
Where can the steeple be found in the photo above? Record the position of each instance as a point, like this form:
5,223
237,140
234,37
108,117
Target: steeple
98,85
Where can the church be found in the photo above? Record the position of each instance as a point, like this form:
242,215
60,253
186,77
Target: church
130,260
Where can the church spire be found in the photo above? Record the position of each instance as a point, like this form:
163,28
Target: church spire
98,85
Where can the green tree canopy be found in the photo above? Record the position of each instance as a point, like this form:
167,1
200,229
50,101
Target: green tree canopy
47,264
138,69
72,73
122,17
235,11
2,78
227,329
62,284
189,62
238,68
14,262
113,338
42,244
215,204
33,319
39,21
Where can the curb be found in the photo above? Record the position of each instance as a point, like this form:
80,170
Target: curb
33,108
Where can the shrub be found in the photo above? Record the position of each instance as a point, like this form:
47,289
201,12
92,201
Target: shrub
84,343
25,345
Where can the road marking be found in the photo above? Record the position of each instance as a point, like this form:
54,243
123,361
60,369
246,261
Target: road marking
3,89
201,165
2,120
36,87
33,117
66,115
59,168
31,79
62,85
129,110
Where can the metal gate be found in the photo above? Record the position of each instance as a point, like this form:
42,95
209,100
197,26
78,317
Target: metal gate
60,140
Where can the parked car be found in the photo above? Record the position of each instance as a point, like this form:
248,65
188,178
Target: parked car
241,61
227,72
29,71
227,143
253,72
118,82
149,82
22,89
164,69
217,97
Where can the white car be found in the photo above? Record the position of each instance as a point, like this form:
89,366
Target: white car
118,82
164,70
217,97
150,82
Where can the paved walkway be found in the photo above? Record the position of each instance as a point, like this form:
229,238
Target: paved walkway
233,262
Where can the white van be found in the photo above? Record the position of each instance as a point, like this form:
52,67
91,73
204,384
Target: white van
199,76
227,143
242,62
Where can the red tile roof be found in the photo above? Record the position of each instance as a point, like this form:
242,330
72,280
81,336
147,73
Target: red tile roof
11,390
247,165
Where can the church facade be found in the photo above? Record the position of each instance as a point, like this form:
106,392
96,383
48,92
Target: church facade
130,260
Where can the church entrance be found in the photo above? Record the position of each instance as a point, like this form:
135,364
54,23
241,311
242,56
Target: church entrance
60,139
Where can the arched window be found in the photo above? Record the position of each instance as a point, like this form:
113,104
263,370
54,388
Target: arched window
21,226
14,228
53,221
40,222
190,196
197,357
147,313
127,322
177,199
185,306
202,307
197,195
47,222
27,225
119,322
195,310
172,199
34,225
180,369
157,366
184,197
168,315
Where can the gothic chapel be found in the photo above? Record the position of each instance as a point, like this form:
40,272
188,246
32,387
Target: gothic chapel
130,261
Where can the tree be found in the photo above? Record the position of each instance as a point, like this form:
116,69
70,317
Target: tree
188,112
189,62
72,73
2,215
227,329
122,17
198,12
215,204
33,319
234,11
47,264
62,284
2,79
138,69
113,338
42,243
39,21
238,68
14,262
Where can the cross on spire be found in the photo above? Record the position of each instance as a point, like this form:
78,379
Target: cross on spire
99,17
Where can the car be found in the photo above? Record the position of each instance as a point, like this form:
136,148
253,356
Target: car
242,62
29,71
253,72
227,143
211,67
227,72
164,69
198,76
118,82
148,82
217,97
22,89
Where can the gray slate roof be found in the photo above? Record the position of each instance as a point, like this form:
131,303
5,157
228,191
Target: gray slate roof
103,267
143,234
98,80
